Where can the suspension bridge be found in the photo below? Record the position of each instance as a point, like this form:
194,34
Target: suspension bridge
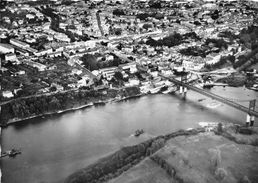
251,113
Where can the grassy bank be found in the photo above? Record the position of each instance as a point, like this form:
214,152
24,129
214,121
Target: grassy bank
122,160
195,156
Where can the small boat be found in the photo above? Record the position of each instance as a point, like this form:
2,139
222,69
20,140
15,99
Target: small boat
169,90
254,87
138,133
12,153
201,99
99,103
208,85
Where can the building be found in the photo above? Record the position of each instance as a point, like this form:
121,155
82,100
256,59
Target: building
19,44
44,52
108,72
6,48
10,57
58,87
7,94
131,67
37,65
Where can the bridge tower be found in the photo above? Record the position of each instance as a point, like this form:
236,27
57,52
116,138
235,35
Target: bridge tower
183,89
250,118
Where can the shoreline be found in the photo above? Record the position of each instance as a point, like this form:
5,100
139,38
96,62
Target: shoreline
90,104
130,160
100,102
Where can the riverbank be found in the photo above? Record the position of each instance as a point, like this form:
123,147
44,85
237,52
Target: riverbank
13,121
22,110
201,155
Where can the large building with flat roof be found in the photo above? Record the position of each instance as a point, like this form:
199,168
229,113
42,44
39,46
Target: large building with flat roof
19,44
6,48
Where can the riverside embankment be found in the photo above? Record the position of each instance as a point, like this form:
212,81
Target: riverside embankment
28,108
183,156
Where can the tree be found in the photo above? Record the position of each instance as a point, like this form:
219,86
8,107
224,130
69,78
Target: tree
90,62
118,31
53,88
155,4
147,26
118,12
118,75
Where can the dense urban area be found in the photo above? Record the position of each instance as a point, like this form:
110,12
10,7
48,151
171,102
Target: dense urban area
60,55
53,53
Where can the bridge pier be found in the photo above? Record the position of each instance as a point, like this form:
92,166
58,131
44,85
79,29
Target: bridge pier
248,118
183,90
252,121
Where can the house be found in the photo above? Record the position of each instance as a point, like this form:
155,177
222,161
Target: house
44,52
6,48
131,67
30,16
108,72
90,44
62,37
31,50
58,87
39,66
7,94
132,82
10,57
55,54
19,44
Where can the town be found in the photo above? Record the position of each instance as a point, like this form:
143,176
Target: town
48,47
87,58
67,45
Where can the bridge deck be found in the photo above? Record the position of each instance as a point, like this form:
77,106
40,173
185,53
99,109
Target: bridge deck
214,96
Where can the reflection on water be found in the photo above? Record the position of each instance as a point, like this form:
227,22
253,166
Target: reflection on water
56,146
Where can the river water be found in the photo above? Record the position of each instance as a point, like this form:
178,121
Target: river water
56,146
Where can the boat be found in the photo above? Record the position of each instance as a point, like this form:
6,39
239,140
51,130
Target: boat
11,153
201,99
14,152
169,90
254,87
138,133
99,103
155,90
208,85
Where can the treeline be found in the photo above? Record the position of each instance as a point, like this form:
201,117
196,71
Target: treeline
90,62
218,43
172,40
146,15
27,107
114,165
194,51
221,63
117,163
210,46
249,37
245,60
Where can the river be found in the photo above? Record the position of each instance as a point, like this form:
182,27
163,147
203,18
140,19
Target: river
56,146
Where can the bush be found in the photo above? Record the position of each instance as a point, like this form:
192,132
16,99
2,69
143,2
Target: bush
118,12
90,62
220,174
